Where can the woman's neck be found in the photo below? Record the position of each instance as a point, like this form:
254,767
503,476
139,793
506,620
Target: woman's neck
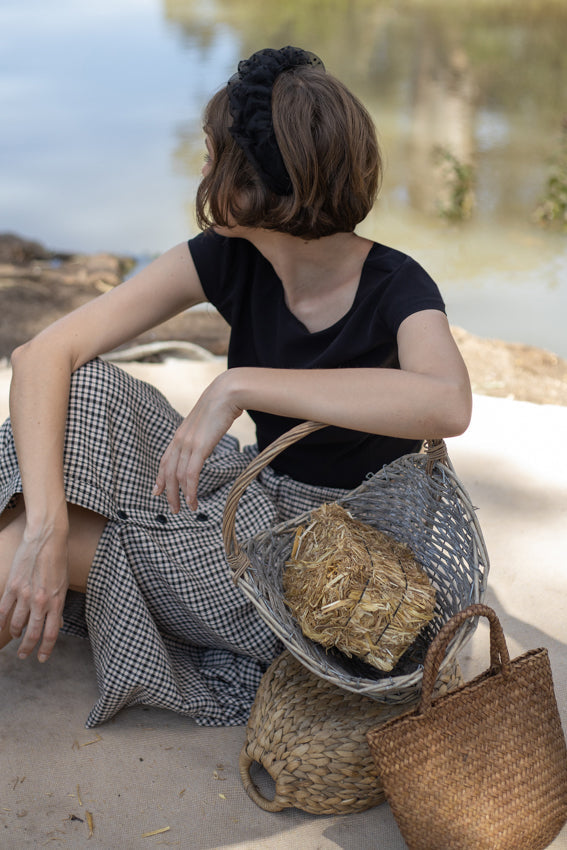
320,277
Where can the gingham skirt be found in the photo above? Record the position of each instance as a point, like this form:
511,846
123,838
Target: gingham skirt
166,623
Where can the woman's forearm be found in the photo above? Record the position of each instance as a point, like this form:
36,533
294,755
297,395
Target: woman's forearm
34,594
429,396
39,395
391,402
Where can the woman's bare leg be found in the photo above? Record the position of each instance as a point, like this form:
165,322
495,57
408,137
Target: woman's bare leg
85,529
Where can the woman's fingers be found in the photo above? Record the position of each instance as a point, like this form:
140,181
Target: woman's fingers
19,621
194,441
53,623
166,481
189,478
179,470
180,467
18,601
41,620
6,607
35,594
32,635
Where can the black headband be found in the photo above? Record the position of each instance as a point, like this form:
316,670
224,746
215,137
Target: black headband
250,102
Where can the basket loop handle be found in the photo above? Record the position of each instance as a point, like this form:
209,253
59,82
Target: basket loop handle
436,451
499,655
275,805
238,562
237,559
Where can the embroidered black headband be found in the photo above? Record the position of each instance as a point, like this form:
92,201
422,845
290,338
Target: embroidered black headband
250,102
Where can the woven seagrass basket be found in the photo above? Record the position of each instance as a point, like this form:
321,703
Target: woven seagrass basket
420,501
310,736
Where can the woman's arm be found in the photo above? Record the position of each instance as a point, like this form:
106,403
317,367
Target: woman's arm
428,397
39,393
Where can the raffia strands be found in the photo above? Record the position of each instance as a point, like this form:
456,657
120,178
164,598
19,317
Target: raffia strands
356,588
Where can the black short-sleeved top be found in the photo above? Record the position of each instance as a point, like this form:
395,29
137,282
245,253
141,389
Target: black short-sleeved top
240,282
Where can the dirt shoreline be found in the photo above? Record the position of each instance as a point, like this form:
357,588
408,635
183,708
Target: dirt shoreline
38,286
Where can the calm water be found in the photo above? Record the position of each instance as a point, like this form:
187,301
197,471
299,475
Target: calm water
101,146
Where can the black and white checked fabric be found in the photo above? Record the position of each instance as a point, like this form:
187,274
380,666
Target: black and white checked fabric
167,625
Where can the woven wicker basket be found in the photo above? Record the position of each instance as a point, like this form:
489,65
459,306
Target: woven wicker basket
310,736
419,500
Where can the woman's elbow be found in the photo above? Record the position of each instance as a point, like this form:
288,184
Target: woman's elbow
39,350
18,354
457,424
456,411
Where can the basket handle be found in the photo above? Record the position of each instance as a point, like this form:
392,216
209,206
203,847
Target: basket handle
275,805
499,656
238,562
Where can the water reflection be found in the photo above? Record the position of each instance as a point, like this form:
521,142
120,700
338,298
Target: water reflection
103,143
441,136
477,80
468,99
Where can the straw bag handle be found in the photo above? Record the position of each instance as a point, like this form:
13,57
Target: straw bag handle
499,656
237,559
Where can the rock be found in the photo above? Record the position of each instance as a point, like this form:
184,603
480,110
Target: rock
18,251
513,370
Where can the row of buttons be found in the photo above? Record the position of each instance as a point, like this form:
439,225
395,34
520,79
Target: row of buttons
201,516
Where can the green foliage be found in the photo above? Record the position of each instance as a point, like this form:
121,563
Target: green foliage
459,179
552,209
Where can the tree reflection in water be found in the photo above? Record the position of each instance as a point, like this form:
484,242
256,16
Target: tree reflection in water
437,75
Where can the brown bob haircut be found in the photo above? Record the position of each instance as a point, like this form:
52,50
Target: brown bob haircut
328,143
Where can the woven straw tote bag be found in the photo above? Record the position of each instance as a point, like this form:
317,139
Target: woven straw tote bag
419,500
310,737
482,768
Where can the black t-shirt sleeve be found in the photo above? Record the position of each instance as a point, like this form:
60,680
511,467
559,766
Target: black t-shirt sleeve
219,268
409,289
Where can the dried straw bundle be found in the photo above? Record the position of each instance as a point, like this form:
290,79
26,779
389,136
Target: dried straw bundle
355,588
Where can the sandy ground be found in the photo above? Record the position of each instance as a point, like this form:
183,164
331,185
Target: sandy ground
151,770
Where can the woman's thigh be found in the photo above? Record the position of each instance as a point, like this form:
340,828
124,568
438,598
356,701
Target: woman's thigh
85,530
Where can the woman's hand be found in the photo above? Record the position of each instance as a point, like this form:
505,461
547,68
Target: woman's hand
195,439
35,592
